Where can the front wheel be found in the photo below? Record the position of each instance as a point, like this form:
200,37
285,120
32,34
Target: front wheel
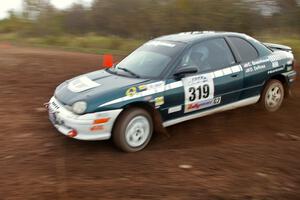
133,130
272,96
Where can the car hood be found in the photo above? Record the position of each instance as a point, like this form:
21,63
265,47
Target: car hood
95,88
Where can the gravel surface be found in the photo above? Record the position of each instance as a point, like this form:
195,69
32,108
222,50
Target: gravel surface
240,154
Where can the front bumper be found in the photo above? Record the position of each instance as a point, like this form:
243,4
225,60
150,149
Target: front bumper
290,76
85,127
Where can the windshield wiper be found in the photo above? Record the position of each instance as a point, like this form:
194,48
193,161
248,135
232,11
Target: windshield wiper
129,71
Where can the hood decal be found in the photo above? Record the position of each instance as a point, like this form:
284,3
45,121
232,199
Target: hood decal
81,84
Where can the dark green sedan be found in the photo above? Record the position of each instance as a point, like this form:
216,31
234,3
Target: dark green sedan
172,79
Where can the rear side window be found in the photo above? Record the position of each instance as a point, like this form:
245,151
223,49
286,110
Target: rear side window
246,51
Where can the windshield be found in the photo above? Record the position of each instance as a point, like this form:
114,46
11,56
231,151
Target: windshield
150,60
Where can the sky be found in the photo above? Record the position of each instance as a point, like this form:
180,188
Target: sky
6,5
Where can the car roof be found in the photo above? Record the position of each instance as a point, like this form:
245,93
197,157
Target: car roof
195,36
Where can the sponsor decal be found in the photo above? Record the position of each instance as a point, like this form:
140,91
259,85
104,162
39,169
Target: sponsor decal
142,87
134,93
193,106
197,106
259,67
142,90
196,80
156,87
159,101
280,55
131,92
255,68
174,109
256,65
275,64
246,65
160,43
257,62
148,98
81,84
275,70
217,100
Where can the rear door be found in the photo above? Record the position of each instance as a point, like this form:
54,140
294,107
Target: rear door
254,66
218,82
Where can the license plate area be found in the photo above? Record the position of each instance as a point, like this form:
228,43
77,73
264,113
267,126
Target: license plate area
52,116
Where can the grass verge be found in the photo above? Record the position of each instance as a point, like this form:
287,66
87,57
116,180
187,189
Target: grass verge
89,43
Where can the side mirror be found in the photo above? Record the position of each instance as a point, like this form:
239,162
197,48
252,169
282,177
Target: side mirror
179,73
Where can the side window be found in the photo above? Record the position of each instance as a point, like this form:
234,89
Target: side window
246,51
209,55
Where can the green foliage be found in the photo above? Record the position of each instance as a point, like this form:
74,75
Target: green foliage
107,22
14,25
87,43
151,18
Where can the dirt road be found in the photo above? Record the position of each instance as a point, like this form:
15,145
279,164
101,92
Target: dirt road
240,154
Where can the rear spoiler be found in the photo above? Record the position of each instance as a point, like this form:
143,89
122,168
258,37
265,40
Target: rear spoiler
278,47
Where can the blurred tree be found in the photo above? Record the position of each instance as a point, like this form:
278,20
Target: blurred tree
289,14
13,23
150,18
75,19
33,8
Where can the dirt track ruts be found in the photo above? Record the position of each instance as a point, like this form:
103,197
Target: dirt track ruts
239,154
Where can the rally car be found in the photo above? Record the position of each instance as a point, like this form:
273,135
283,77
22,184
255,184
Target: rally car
172,79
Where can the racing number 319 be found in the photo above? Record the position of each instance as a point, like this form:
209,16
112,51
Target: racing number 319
202,91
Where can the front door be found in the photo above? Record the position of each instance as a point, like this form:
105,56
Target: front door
218,82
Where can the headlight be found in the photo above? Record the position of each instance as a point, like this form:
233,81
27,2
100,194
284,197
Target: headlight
79,107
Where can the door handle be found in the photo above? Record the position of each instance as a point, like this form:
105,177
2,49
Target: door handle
234,75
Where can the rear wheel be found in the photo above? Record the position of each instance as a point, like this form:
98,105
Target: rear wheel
133,130
272,96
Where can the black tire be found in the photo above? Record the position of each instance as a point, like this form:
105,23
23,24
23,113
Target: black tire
119,131
267,99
